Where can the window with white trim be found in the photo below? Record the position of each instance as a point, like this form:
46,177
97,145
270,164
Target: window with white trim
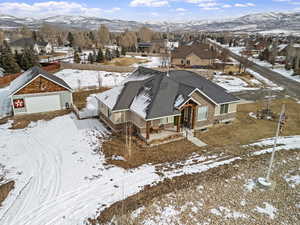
224,109
202,113
166,120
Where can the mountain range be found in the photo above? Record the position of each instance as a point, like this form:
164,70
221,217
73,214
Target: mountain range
251,22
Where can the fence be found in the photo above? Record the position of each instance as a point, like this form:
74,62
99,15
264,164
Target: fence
143,54
120,69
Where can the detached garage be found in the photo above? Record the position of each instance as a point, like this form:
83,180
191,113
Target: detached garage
37,91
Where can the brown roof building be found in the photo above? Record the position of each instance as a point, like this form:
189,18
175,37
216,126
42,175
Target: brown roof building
194,55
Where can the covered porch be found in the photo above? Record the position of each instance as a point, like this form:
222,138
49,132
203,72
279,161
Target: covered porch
169,127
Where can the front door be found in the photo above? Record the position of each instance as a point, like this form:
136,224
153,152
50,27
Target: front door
186,117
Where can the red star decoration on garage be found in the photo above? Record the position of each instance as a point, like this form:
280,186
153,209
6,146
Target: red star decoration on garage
18,103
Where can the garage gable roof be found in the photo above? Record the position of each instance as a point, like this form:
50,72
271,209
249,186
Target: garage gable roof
29,75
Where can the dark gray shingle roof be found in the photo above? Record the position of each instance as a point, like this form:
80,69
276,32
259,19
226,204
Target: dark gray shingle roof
164,89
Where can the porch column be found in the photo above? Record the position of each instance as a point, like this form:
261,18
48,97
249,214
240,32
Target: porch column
148,130
194,117
178,123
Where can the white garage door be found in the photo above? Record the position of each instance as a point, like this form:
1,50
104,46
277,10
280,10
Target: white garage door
42,103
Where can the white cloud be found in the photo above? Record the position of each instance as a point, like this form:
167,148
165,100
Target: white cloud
210,8
226,6
149,3
180,10
244,4
51,8
207,4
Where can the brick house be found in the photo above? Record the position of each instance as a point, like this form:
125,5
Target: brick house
160,104
193,55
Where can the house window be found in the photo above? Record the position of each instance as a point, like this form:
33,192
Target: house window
166,120
182,62
224,109
109,113
202,113
188,62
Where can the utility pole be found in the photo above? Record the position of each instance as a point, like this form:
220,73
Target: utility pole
266,181
281,118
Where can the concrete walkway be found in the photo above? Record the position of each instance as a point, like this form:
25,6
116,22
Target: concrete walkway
193,139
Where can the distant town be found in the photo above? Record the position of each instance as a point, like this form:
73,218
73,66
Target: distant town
156,123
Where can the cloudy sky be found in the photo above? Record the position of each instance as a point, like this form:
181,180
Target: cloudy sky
146,10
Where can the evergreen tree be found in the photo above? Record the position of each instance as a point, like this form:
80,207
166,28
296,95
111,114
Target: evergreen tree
28,59
76,57
99,57
108,56
123,51
90,58
70,38
34,35
117,53
7,59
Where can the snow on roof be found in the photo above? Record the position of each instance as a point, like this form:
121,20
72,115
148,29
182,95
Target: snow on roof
141,102
20,81
110,97
179,100
281,47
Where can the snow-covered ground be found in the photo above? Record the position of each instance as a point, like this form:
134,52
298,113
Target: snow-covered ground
90,78
286,73
61,176
233,84
153,61
5,108
91,109
269,83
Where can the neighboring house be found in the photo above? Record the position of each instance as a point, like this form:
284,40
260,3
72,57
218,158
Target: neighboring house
144,47
40,47
194,55
172,45
160,104
293,57
37,91
113,47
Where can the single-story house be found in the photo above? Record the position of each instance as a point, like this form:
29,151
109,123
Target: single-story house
159,104
40,47
36,91
194,55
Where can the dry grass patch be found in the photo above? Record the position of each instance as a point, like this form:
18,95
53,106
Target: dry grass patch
5,189
194,198
55,54
245,129
125,61
79,97
21,122
170,152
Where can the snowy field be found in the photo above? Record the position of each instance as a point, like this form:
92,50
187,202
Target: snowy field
154,61
233,84
90,78
61,178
